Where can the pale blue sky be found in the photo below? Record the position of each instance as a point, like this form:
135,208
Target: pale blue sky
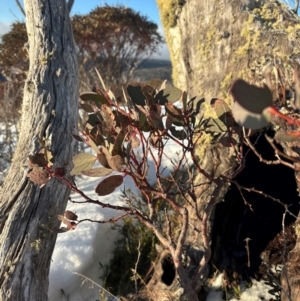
9,11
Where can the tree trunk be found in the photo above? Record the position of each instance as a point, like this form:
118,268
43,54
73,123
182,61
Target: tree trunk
28,213
214,42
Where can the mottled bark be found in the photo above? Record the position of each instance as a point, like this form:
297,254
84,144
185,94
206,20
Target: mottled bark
214,42
27,212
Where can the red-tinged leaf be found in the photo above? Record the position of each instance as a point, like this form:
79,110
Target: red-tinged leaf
59,171
97,172
71,215
82,162
39,177
108,185
297,86
37,160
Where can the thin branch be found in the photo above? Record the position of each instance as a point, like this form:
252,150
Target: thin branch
20,7
296,6
268,162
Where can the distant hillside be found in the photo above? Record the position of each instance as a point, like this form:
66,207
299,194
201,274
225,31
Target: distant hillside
152,63
153,69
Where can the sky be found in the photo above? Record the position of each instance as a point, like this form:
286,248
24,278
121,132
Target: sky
10,12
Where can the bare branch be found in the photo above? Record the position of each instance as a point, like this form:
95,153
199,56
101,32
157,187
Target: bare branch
20,7
296,6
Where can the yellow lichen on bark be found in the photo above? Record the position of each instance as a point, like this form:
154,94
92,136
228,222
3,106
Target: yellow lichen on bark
169,12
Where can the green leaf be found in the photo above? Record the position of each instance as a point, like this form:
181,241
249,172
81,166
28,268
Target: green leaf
97,172
248,119
250,97
136,95
93,120
108,185
95,97
82,162
118,146
169,94
87,108
223,111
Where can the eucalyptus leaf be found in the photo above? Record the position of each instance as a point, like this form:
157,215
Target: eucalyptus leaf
116,162
169,94
248,119
118,145
83,161
95,97
97,172
136,95
108,185
252,98
87,108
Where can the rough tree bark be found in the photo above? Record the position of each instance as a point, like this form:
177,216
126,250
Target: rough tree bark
27,212
214,42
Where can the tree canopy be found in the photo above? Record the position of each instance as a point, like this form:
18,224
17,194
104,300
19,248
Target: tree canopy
114,39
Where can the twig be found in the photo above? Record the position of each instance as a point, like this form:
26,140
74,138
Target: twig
135,273
284,268
268,162
248,250
20,7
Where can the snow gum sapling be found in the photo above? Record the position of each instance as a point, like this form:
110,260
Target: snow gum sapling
124,137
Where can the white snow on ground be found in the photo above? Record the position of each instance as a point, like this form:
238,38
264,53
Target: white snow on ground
257,292
81,250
